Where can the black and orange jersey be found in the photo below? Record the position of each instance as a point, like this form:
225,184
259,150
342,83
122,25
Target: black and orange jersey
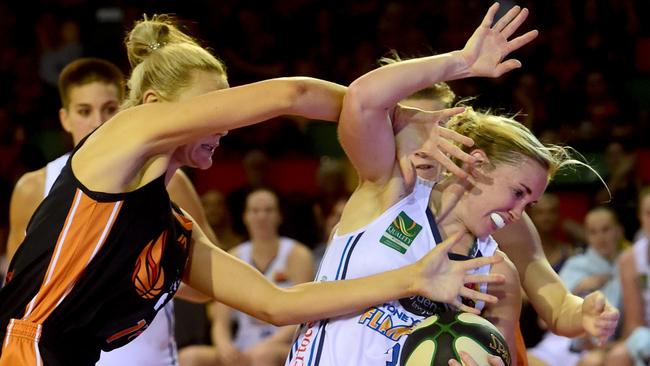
91,273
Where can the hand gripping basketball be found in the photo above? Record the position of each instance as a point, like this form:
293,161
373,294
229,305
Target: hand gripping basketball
443,280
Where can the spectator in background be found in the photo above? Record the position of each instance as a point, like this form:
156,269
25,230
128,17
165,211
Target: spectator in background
220,219
594,270
256,168
546,217
620,163
282,260
634,269
329,214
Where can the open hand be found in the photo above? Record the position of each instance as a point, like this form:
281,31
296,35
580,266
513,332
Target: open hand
422,132
441,279
488,46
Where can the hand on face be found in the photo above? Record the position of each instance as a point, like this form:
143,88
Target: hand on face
488,46
420,132
441,279
599,317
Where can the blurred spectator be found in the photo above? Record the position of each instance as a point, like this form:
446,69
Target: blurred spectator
256,167
329,214
620,161
635,270
219,218
546,217
282,260
583,274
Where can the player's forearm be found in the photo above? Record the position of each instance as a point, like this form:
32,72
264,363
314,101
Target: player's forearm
384,87
568,319
315,99
315,301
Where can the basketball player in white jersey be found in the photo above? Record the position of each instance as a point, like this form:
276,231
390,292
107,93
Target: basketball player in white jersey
395,216
91,91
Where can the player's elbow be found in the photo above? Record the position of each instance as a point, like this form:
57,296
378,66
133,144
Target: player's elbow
277,313
358,98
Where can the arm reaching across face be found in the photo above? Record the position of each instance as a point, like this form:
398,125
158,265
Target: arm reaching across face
366,124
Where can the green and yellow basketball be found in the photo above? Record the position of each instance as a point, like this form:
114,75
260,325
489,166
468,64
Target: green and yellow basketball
442,337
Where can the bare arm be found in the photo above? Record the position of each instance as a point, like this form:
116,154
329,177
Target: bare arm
505,313
182,192
149,133
632,301
565,313
27,195
546,292
300,269
365,127
212,271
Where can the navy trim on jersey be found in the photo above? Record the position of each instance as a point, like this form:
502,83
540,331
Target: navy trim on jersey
321,341
347,260
345,256
434,227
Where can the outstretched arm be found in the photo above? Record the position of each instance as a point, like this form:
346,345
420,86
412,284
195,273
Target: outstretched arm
211,271
150,133
365,127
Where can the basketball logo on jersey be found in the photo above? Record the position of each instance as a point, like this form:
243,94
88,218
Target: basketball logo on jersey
400,233
148,276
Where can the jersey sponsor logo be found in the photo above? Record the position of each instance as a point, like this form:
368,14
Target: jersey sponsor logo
400,233
148,276
422,306
383,321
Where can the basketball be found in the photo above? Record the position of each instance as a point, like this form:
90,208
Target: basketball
442,337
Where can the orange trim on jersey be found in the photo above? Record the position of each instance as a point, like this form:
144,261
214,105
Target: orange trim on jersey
522,358
84,232
20,346
187,223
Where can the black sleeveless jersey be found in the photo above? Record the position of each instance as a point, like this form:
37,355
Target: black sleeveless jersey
95,268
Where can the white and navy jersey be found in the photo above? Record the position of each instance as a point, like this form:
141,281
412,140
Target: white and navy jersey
400,236
156,346
641,248
251,331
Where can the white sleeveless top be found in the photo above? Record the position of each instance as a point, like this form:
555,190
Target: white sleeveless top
643,270
156,346
251,331
400,236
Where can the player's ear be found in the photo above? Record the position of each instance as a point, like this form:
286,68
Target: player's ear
64,120
150,96
480,163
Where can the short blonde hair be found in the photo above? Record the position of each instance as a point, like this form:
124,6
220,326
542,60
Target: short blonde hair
163,58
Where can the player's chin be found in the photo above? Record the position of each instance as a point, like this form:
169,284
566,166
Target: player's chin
203,164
